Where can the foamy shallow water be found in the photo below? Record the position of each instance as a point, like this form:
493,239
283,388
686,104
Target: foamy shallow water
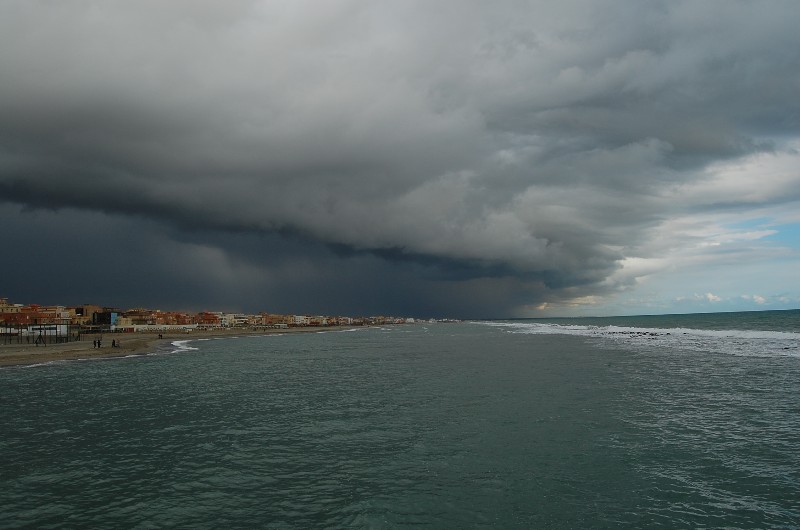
730,341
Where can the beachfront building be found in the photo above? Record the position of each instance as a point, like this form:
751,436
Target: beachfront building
300,320
83,314
341,321
6,308
35,324
234,320
272,319
318,321
140,316
106,319
124,324
268,320
16,319
34,314
142,319
54,311
174,318
207,320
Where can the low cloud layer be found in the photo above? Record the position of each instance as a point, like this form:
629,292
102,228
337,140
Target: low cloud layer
473,159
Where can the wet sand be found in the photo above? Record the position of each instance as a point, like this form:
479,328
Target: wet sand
130,344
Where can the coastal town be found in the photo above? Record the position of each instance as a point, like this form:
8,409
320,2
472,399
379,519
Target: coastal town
52,324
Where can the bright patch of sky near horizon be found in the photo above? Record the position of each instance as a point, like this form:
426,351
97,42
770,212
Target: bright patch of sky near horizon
454,158
725,260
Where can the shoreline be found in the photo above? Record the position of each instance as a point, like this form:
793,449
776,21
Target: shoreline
132,344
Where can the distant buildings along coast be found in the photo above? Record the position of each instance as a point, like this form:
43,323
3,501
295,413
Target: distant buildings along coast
57,323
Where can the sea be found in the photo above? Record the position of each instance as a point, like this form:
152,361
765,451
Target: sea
678,421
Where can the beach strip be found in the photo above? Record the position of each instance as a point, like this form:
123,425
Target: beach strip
129,344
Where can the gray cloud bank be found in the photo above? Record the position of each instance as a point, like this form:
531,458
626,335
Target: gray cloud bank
484,156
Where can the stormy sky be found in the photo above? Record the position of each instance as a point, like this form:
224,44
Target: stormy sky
445,158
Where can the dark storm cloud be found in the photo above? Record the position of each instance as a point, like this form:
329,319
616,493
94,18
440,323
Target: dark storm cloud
513,152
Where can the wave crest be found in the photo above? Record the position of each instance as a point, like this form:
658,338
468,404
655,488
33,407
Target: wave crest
730,341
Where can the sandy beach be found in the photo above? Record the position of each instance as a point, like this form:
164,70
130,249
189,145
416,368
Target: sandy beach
130,344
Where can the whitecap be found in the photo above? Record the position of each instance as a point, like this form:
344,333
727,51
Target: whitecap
729,341
182,345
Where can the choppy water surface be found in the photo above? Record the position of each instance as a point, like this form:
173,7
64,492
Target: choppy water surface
502,424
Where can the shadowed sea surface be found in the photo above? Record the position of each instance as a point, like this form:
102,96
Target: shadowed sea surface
673,421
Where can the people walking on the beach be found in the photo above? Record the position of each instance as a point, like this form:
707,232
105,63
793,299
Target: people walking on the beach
94,343
113,343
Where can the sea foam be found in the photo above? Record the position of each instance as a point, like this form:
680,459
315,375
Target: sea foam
730,341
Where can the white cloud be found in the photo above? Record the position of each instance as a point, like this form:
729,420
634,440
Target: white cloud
762,177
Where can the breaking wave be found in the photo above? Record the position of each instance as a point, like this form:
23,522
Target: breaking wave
759,343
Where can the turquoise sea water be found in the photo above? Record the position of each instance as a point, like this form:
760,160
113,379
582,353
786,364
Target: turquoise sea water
674,421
